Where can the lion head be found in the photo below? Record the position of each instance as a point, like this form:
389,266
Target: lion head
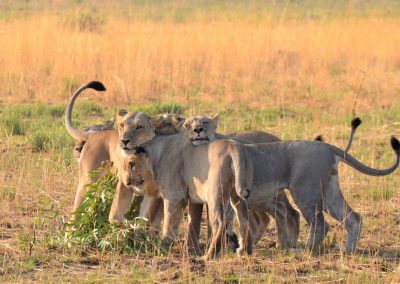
169,124
137,128
200,129
136,172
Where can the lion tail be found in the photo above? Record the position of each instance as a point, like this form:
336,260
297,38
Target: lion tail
77,134
351,161
355,123
242,170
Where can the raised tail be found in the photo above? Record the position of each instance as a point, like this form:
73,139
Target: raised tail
351,161
242,170
77,134
355,123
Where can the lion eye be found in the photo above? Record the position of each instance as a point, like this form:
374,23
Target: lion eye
205,122
122,125
139,127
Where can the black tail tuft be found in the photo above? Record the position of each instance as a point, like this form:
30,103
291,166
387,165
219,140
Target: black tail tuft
355,122
319,138
96,85
395,145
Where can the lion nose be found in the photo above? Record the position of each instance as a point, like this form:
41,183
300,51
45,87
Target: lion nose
198,130
125,142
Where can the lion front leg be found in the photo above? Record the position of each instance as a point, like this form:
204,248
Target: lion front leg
152,208
195,214
121,204
173,211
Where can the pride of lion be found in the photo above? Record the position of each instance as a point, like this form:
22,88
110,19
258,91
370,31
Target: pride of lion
178,164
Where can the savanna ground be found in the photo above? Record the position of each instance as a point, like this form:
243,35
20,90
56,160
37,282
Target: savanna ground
292,68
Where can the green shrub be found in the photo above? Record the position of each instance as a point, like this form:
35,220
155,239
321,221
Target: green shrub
154,109
91,228
12,125
89,108
42,109
39,140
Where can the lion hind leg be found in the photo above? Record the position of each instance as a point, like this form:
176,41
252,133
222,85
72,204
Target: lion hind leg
245,233
339,209
309,200
287,220
259,221
232,238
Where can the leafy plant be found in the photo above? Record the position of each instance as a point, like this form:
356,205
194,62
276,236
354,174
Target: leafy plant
91,228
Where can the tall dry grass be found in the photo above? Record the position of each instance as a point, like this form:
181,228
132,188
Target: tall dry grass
262,63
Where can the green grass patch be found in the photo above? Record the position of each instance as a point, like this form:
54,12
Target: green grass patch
12,125
154,109
88,108
378,194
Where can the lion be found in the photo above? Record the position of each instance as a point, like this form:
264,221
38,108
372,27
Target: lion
202,175
192,181
287,217
108,125
102,146
309,169
202,129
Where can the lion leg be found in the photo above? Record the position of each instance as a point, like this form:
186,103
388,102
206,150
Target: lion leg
338,208
121,204
151,208
259,221
310,206
293,222
245,233
195,214
157,213
173,211
230,234
217,205
79,196
287,220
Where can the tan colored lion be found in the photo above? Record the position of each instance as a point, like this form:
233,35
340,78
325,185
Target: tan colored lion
102,146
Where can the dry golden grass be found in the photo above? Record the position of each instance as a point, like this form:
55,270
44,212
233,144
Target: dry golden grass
262,63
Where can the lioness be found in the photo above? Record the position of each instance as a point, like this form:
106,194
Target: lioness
202,129
102,146
201,174
137,171
108,125
286,216
309,169
98,147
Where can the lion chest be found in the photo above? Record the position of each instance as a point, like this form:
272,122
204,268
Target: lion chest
197,190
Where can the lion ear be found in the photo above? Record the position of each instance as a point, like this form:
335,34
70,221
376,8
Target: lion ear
156,120
215,119
177,120
121,114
